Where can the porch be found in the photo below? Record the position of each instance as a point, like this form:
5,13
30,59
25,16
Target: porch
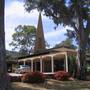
48,63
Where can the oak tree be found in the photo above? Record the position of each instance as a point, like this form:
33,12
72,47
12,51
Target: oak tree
75,13
24,39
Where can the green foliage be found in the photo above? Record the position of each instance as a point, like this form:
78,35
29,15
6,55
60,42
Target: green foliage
24,39
11,56
67,12
72,66
59,10
66,43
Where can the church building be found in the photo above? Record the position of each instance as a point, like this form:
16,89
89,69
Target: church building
47,61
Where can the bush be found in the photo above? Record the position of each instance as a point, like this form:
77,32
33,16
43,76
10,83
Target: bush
33,77
61,75
8,77
13,78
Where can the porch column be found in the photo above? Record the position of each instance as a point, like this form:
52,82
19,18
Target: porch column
66,62
41,64
24,63
32,65
52,64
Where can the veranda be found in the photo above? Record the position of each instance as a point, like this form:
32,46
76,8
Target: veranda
49,62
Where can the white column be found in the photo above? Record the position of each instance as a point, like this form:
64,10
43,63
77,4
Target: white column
41,64
66,61
24,63
52,64
31,65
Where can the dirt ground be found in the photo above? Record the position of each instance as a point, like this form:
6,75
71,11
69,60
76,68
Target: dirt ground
53,85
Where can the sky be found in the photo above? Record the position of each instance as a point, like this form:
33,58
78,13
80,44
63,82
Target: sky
15,15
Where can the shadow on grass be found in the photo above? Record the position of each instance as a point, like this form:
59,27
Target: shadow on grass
53,85
69,85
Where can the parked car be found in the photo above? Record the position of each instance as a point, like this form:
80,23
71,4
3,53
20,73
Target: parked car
23,69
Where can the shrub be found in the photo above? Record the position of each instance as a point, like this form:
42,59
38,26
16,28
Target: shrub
13,78
61,75
33,77
8,77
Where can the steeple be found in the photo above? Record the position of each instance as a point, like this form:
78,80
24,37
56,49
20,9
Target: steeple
40,41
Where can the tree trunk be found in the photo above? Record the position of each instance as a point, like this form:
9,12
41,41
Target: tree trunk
82,58
82,42
4,85
82,53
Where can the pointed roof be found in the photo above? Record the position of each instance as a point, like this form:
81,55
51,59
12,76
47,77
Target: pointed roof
40,40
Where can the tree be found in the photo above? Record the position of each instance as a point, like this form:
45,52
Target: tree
71,35
4,85
75,13
66,43
88,45
24,39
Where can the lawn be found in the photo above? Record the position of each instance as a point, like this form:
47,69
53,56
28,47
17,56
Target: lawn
53,85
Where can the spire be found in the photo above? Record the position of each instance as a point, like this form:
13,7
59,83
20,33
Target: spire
40,41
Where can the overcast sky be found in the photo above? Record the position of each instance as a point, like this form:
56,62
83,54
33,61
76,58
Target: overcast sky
15,15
